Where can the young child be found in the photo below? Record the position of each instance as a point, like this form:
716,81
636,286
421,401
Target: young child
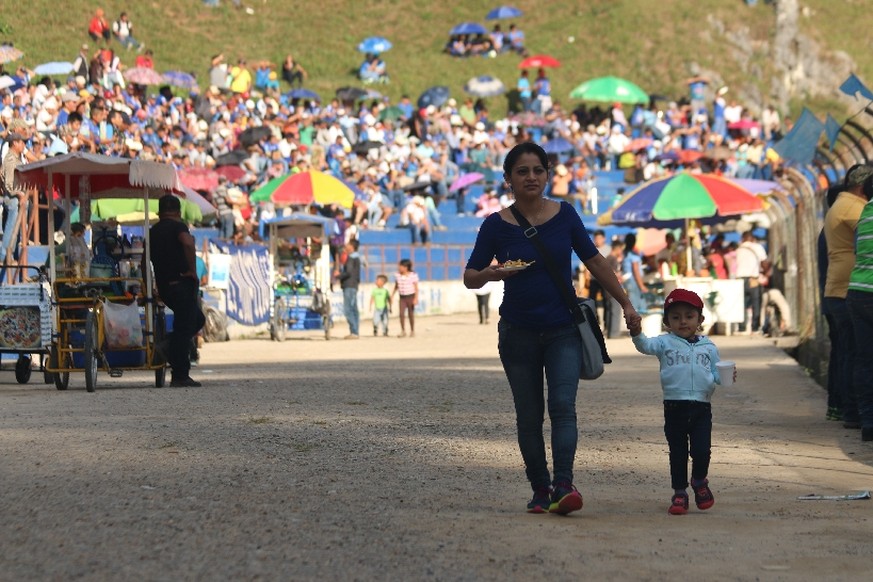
380,303
688,378
406,285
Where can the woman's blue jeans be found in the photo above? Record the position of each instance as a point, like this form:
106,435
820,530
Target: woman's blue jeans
525,353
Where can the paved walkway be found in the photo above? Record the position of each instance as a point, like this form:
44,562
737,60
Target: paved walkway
395,459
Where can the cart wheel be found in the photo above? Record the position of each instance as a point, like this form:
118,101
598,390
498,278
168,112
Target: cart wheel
279,323
90,352
61,379
47,376
23,369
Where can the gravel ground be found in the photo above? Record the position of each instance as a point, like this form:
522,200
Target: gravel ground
395,459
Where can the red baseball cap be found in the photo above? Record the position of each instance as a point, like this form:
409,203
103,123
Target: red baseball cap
683,296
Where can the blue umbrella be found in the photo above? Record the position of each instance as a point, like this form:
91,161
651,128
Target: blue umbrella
435,96
504,12
302,94
468,28
558,145
375,45
180,79
54,68
485,86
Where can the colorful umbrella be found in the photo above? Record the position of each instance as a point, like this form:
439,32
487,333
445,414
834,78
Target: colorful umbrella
465,180
302,93
143,76
54,68
468,28
610,90
671,201
199,178
305,188
350,93
391,113
651,241
375,45
231,172
687,157
9,53
180,79
639,143
485,86
539,62
504,12
435,96
557,145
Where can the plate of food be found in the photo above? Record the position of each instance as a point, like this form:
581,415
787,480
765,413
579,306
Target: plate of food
514,265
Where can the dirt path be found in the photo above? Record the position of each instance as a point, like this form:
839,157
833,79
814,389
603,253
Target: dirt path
395,459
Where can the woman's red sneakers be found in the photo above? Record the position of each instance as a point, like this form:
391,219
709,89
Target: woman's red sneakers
565,498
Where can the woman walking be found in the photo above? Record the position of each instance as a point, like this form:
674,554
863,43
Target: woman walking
536,333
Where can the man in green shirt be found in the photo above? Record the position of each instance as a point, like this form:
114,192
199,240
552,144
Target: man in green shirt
860,301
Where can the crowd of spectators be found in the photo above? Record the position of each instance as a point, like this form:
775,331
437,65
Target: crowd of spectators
385,151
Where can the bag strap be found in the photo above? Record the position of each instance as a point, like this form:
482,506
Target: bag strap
531,233
572,302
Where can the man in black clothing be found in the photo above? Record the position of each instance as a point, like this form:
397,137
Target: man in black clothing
350,279
173,256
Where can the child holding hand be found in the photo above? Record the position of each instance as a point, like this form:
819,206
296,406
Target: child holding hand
688,378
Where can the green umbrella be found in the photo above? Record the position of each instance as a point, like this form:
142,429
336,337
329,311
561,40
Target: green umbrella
610,90
392,113
109,208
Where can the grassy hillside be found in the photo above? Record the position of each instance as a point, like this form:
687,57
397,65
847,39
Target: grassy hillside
652,42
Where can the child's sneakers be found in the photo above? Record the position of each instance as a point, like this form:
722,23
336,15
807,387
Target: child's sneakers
679,504
542,497
702,494
565,498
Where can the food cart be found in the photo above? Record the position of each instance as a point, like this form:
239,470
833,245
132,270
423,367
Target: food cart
81,297
300,272
25,319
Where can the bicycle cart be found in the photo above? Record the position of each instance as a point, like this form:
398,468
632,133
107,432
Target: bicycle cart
25,319
81,298
301,271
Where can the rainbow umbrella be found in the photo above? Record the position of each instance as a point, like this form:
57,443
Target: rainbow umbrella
305,188
672,201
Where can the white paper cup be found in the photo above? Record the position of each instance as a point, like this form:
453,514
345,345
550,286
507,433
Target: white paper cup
726,370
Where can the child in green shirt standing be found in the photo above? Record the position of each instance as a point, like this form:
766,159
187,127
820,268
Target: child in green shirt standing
381,305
